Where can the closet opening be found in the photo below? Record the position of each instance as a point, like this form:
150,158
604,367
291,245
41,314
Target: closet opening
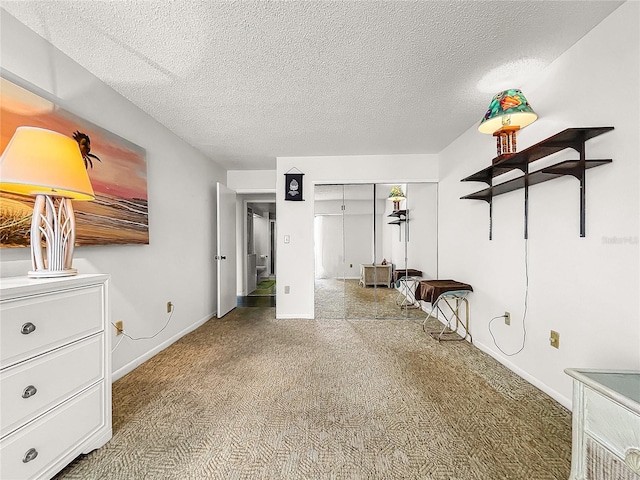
371,250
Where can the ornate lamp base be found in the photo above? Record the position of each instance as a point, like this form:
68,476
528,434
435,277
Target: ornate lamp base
53,237
506,140
51,274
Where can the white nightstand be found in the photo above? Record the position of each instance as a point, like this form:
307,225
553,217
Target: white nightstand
606,425
55,372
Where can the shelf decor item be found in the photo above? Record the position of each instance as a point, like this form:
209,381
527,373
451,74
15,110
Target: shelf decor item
396,196
49,166
508,112
293,185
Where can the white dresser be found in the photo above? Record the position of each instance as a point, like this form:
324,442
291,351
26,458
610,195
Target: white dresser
55,373
606,425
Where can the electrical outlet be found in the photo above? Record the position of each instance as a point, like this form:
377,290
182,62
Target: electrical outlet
119,327
287,289
169,307
554,339
507,318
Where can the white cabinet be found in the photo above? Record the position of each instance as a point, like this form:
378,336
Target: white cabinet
55,373
606,425
375,275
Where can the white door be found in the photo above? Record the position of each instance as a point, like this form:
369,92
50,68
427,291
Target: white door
226,250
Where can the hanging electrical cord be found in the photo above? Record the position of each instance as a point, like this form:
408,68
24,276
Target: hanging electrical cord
526,305
124,334
117,344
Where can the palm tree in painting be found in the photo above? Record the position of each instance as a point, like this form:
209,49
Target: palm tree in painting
84,142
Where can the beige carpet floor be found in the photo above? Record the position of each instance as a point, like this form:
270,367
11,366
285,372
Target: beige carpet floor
347,299
251,397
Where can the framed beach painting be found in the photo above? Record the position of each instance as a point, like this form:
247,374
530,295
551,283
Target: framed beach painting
117,169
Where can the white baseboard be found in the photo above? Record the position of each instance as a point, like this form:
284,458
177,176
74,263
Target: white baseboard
129,367
121,372
561,399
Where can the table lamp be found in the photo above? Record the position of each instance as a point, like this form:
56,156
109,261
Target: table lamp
396,196
508,112
49,166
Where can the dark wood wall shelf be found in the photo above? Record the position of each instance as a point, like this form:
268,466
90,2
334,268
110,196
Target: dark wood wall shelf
574,138
400,216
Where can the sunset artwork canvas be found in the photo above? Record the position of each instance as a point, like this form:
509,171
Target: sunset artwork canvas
117,169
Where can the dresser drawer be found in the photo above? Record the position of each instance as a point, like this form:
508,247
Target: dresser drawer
41,382
611,424
53,436
58,318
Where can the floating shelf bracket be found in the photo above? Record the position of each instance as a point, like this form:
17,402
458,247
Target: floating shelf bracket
574,138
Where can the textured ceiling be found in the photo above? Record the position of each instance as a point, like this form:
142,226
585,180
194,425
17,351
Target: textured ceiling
246,81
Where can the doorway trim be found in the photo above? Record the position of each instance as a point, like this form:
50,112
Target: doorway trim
248,198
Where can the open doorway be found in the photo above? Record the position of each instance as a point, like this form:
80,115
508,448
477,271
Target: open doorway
259,251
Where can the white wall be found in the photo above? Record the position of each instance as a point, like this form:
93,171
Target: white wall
329,248
252,181
584,288
178,263
344,238
295,260
422,227
421,247
261,238
343,244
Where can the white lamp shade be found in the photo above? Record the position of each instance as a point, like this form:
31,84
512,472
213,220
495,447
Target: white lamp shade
39,161
519,119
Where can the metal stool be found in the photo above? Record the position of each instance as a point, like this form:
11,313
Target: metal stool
407,294
447,333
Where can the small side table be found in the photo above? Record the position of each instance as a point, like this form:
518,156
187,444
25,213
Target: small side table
405,272
407,287
606,425
438,291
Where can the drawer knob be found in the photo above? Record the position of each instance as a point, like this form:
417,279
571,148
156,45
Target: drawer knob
31,454
30,391
27,328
